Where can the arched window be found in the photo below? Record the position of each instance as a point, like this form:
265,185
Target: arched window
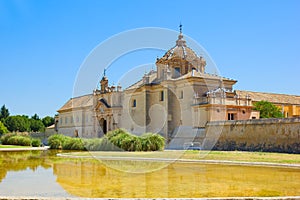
176,72
134,103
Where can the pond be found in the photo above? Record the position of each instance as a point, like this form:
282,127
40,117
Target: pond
46,175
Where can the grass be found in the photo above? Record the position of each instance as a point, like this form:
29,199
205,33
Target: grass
239,156
244,156
13,146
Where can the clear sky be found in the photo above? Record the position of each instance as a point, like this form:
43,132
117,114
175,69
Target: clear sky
43,43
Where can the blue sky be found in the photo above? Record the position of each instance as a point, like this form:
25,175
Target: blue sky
43,43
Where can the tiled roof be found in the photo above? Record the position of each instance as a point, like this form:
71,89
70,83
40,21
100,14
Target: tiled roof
271,97
195,73
77,102
152,77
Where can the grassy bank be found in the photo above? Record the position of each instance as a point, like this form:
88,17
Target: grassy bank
11,146
238,156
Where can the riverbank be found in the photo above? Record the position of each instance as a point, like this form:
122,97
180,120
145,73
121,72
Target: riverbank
22,148
226,157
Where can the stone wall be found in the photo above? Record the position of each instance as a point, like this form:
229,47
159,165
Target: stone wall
270,135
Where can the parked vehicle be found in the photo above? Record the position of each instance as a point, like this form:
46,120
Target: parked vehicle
192,146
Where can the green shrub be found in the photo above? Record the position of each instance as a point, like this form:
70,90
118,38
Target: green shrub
137,142
5,137
127,144
125,140
106,145
114,133
117,136
152,142
56,141
73,144
24,141
36,142
116,140
93,144
19,140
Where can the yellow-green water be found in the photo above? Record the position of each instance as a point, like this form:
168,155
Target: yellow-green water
91,178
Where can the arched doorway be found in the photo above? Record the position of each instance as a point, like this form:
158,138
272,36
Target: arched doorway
103,125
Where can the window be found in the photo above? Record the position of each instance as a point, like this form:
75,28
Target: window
134,103
66,120
161,96
71,120
177,71
230,116
181,94
77,119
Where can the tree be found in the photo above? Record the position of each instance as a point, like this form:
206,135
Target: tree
17,123
48,121
36,125
4,113
35,117
3,129
267,110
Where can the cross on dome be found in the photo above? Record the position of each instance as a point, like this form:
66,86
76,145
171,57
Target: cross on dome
180,27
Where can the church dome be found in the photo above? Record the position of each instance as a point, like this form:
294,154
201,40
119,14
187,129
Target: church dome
181,58
180,51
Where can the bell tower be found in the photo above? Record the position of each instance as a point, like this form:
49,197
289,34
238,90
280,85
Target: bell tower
104,83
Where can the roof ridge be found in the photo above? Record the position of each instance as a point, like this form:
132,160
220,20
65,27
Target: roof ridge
81,96
272,93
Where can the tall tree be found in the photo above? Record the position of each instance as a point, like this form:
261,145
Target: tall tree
4,113
48,121
3,129
17,123
36,125
35,117
267,110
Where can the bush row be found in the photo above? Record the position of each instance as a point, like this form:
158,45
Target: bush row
22,140
116,140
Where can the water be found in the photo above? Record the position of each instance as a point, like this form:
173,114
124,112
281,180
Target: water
46,175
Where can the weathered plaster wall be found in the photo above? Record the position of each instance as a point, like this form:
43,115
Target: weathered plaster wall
276,135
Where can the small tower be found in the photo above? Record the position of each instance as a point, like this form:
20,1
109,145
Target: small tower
104,83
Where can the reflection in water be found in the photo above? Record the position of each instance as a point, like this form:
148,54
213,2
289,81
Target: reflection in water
91,178
28,174
18,161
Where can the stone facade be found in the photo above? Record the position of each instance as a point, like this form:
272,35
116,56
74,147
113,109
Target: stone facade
273,135
179,93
